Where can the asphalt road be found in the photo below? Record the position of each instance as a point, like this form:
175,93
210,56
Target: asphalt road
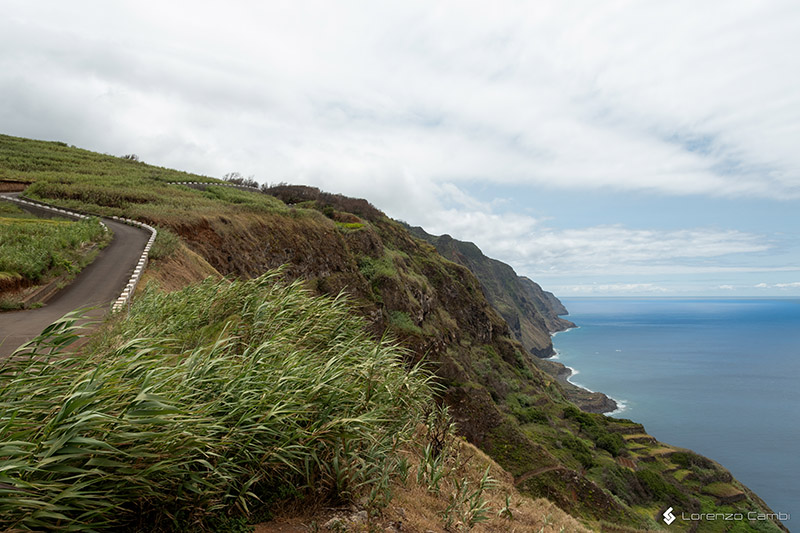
98,284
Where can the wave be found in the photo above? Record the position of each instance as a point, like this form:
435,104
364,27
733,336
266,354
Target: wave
572,373
622,405
554,333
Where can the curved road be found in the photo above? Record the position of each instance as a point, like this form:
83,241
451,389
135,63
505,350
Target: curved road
98,284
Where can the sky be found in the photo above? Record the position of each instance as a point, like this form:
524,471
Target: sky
610,148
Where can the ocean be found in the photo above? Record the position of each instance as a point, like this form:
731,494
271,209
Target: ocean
718,376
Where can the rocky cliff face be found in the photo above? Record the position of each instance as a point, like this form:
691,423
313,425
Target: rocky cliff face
505,400
531,313
499,396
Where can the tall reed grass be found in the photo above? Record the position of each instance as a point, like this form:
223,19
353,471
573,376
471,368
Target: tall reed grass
210,402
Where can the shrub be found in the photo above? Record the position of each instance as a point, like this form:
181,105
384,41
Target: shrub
524,409
165,244
376,269
585,420
658,488
611,442
625,484
296,194
690,460
579,450
401,321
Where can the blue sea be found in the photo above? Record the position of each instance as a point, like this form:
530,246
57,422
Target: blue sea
718,376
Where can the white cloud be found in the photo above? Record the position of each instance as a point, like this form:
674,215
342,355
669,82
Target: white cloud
678,98
790,285
541,251
535,248
407,103
610,288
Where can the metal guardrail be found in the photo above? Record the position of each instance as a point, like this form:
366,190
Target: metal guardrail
127,292
125,298
49,208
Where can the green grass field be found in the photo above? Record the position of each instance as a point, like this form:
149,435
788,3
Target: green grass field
107,185
33,250
10,210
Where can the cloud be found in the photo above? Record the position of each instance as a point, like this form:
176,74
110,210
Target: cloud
623,96
611,288
538,248
409,104
791,285
540,251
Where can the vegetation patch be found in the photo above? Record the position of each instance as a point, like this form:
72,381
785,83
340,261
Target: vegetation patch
401,321
349,225
166,243
657,488
722,490
10,210
525,408
33,251
207,401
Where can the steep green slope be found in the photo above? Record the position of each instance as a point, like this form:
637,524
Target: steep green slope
531,313
595,468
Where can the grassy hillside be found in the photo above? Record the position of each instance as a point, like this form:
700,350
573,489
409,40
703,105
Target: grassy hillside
600,470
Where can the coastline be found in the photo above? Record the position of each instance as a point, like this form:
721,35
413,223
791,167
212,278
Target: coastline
750,400
588,400
571,372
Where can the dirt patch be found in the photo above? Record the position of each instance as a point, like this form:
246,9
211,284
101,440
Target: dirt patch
180,269
12,186
284,525
10,284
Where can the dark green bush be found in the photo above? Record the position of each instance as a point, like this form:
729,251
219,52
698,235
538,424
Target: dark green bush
690,460
586,420
624,483
613,443
658,488
579,450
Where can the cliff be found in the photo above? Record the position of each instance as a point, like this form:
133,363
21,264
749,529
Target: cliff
531,313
